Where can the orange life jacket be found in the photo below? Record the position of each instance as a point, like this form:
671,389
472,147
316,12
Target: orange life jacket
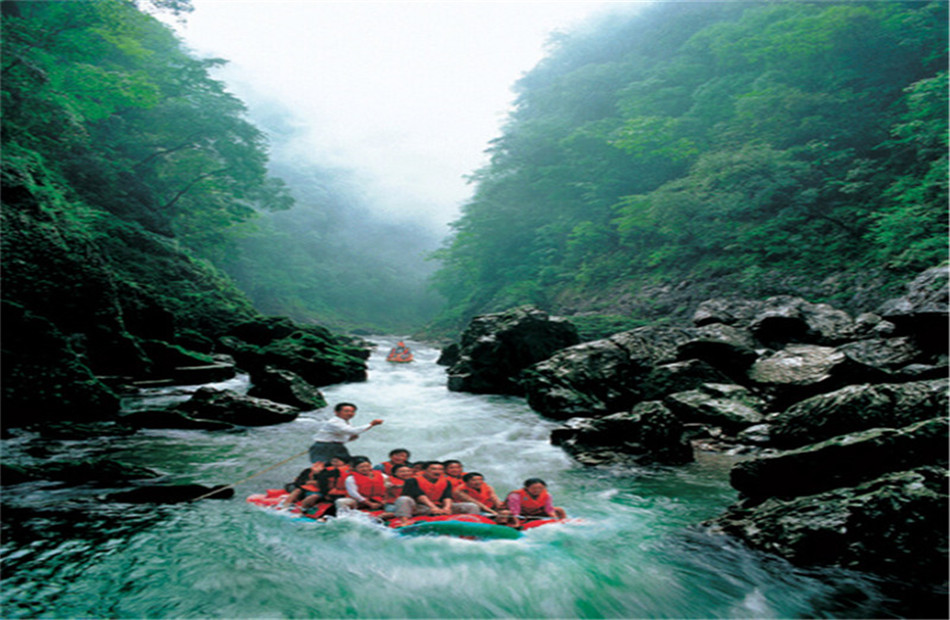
433,490
531,506
484,496
371,487
456,483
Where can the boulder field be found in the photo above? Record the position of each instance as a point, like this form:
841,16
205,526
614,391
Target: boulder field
839,422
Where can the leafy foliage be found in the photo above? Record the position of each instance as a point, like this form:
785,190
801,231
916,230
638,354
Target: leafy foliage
698,140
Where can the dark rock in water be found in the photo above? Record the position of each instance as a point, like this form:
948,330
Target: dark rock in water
285,387
101,471
233,408
923,311
859,407
208,373
649,433
449,355
843,461
170,418
495,348
893,525
169,494
311,351
801,371
602,376
732,407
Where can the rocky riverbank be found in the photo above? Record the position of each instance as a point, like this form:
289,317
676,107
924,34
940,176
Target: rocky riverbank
841,420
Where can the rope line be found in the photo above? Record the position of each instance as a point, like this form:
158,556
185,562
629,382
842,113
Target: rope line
263,471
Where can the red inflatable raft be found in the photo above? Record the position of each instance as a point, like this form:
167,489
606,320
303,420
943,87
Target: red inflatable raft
463,526
399,354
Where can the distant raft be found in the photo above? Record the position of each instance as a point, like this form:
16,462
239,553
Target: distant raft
399,354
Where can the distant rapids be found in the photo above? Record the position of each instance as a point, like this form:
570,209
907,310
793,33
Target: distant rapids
636,552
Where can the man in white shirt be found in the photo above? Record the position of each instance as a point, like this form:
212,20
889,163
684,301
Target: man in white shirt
335,432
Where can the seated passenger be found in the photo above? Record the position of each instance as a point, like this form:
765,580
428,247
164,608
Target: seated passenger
398,456
395,483
339,467
365,487
429,493
308,485
534,501
454,472
477,491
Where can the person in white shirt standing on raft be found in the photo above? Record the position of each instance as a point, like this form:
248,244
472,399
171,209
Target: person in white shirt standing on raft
335,432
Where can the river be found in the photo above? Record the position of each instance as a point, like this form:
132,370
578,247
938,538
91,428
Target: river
635,551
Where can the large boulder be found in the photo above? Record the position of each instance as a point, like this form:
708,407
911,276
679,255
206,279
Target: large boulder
285,387
649,433
495,348
311,352
729,349
731,407
923,311
894,525
804,370
603,376
227,406
843,461
779,320
856,408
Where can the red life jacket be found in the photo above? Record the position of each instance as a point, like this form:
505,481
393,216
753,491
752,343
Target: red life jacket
371,487
455,482
388,467
340,488
530,506
484,496
433,490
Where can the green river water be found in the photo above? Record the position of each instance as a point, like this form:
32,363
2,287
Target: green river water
635,552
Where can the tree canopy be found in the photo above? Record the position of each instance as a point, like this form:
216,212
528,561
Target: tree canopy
697,140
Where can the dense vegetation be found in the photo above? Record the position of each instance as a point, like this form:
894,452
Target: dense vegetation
749,143
130,178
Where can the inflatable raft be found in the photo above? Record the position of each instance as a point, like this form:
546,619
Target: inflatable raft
399,354
473,527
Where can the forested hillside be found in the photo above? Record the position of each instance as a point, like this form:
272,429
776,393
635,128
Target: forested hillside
755,148
130,178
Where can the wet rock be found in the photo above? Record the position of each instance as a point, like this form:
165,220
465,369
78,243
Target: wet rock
667,379
885,354
859,407
894,525
923,311
602,376
732,407
784,319
495,348
729,349
801,371
649,433
170,418
449,355
170,494
842,461
233,408
285,387
209,373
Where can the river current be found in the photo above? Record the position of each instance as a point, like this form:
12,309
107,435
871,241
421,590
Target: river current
635,550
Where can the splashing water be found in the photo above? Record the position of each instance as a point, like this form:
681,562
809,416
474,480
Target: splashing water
635,551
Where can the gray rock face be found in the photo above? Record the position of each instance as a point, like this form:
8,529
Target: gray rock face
649,433
233,408
286,387
495,348
729,406
859,407
846,460
893,525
